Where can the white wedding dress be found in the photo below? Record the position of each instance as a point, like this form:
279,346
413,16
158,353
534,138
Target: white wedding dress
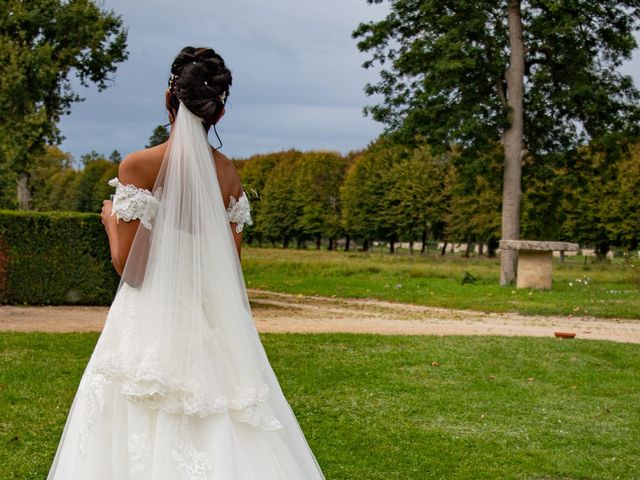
179,386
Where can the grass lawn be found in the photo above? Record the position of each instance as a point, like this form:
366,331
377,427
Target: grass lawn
375,408
600,290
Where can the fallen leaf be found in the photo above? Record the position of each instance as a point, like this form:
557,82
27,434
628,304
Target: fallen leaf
530,379
435,364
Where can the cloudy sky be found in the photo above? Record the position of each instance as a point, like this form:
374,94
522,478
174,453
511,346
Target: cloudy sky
297,75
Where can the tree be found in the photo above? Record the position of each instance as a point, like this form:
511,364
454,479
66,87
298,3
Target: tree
254,172
415,199
364,203
90,187
43,168
115,157
42,42
159,136
280,208
320,175
473,194
455,72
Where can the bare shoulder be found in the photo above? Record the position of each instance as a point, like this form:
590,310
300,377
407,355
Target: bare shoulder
141,167
228,177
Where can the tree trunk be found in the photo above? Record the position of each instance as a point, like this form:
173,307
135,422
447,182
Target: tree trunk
347,243
492,244
365,245
481,249
444,249
424,241
24,194
467,252
602,249
392,245
331,243
318,242
512,143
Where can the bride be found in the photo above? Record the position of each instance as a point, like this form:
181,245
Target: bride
179,386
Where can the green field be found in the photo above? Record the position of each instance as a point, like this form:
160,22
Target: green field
375,408
579,289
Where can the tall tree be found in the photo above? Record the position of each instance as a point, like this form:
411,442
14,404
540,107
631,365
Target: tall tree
159,135
280,207
540,75
42,43
363,193
254,172
415,203
320,175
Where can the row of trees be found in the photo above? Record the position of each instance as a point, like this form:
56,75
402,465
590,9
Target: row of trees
57,182
539,77
391,192
397,193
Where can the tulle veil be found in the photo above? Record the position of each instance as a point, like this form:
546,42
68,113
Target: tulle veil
179,336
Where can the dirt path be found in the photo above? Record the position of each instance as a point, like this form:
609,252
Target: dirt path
280,312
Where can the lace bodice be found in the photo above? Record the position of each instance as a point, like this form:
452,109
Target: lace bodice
134,203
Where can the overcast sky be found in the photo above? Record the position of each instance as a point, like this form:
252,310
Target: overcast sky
297,75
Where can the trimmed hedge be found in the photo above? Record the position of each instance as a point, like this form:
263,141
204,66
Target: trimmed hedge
55,258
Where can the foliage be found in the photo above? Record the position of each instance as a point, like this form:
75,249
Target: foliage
42,43
416,201
253,173
624,201
632,260
443,66
55,258
90,187
280,208
473,191
318,181
363,194
159,135
391,414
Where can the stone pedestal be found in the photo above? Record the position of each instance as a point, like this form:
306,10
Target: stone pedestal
535,260
534,269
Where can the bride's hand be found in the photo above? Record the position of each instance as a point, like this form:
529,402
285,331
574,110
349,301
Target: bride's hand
105,214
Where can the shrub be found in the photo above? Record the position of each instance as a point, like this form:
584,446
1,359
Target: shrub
54,258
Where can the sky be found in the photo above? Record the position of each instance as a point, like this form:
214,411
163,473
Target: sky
297,75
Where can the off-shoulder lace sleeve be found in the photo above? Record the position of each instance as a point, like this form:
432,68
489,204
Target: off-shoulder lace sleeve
239,212
134,203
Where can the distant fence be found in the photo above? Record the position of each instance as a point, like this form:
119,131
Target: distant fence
54,258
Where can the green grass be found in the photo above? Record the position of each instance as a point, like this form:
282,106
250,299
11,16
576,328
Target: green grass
436,281
374,407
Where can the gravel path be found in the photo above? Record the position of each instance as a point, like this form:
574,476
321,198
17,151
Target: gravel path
280,312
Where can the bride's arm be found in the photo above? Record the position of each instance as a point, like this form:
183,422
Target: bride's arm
122,233
120,236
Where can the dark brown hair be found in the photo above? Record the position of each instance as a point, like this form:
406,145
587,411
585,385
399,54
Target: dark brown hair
201,80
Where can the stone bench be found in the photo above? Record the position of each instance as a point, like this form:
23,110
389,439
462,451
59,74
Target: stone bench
535,260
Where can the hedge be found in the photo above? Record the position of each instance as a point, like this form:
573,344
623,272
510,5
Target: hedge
55,258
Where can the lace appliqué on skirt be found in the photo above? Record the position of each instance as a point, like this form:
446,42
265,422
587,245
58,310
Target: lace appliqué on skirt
192,464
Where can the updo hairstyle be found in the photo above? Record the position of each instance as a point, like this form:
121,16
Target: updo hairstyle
200,79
